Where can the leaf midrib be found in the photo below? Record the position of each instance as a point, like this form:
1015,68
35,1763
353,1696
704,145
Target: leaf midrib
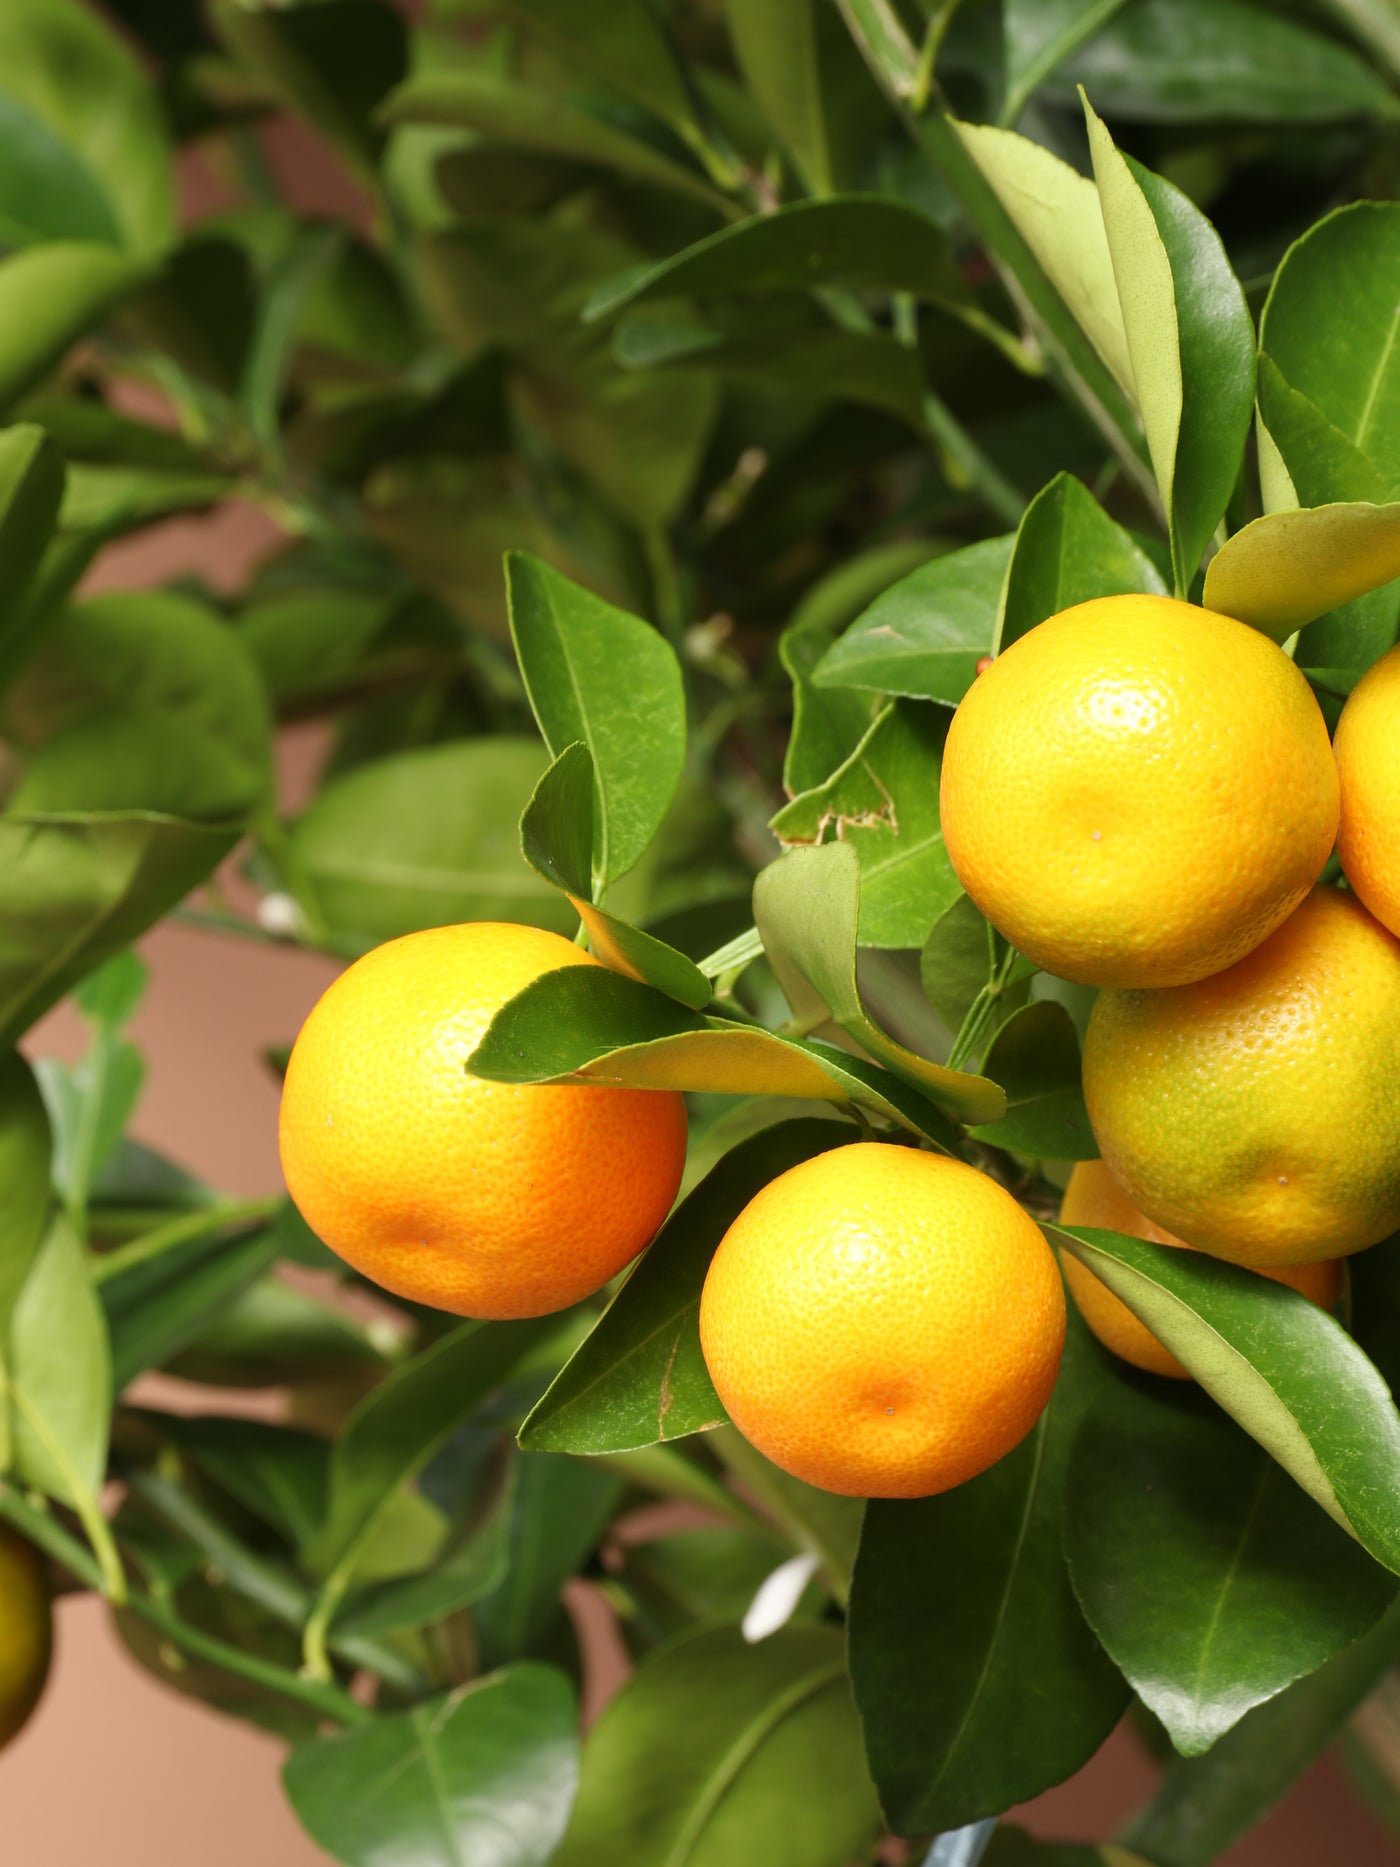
1226,1583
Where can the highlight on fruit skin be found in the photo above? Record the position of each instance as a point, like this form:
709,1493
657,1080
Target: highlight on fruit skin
486,1199
26,1633
1094,1198
1113,809
883,1322
1254,1114
1367,746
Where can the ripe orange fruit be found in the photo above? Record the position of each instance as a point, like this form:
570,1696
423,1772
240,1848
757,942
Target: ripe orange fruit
483,1198
26,1633
1094,1197
883,1322
1368,762
1255,1114
1138,792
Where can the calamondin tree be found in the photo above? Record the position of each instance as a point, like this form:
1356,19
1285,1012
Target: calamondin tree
846,555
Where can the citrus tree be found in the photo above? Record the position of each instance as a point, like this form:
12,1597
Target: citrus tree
802,360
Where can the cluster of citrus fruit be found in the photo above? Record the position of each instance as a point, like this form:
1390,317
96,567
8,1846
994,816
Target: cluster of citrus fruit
1141,796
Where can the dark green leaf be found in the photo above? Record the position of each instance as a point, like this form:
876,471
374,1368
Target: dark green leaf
1041,34
273,1335
134,757
81,887
596,674
562,1507
1287,1371
556,838
1329,329
640,1377
1068,551
154,1310
958,1604
1206,1803
806,906
856,242
1191,61
925,637
426,838
1035,1058
614,1029
956,961
31,491
24,1177
1210,1578
485,1775
474,1567
717,1749
826,1524
883,804
1303,458
628,46
276,1472
1191,340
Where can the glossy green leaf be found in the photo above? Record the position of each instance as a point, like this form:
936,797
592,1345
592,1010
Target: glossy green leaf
856,242
956,960
425,839
446,1782
396,1429
829,720
1329,330
1208,1575
25,1143
628,46
1035,1058
562,1508
1191,340
278,1473
521,117
522,284
958,1601
468,1570
825,1524
131,756
1195,61
31,491
556,837
596,674
331,61
80,888
1288,568
806,906
1205,1804
1068,551
49,297
882,804
59,1375
1039,36
603,1027
103,170
1288,1372
640,1377
157,650
925,636
716,1748
294,276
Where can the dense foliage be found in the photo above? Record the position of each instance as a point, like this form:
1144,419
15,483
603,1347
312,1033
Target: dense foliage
798,355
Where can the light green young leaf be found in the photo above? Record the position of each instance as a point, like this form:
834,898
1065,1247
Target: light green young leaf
1287,568
597,675
25,1144
1190,338
52,295
806,906
60,1375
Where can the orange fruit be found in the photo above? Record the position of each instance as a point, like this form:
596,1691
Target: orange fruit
1368,762
883,1322
26,1633
1094,1197
1138,791
488,1199
1255,1114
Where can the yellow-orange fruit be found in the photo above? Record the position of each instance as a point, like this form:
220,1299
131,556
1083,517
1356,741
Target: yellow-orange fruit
26,1633
487,1199
1138,791
883,1322
1093,1197
1368,762
1255,1114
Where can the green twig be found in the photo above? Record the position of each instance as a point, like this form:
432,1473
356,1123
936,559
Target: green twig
50,1536
178,1232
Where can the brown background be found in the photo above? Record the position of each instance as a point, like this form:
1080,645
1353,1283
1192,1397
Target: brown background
116,1769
